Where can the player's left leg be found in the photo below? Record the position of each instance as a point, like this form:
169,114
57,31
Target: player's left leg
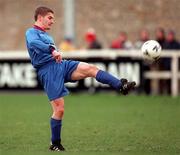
85,70
56,123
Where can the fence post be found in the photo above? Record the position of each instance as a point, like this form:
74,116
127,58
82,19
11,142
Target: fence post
174,78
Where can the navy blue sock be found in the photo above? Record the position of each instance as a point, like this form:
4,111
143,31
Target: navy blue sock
55,130
106,78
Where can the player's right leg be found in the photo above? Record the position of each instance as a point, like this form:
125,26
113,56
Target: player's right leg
85,70
56,123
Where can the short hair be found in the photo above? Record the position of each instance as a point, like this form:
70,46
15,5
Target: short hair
160,29
42,11
171,32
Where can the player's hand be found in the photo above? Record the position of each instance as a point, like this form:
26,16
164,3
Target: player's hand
57,56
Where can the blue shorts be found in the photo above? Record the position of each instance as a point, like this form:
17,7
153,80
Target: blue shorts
53,76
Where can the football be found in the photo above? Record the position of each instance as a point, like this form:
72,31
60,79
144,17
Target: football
151,50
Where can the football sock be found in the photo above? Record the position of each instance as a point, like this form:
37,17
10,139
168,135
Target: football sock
106,78
55,130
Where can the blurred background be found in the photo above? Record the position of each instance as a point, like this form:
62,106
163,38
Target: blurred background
108,18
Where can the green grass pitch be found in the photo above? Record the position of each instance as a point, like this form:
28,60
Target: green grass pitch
93,124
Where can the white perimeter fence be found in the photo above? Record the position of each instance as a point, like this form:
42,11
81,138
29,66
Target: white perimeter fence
173,74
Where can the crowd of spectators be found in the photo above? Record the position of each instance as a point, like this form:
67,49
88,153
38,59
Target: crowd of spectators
166,39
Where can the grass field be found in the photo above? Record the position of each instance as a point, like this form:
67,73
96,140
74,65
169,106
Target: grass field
93,124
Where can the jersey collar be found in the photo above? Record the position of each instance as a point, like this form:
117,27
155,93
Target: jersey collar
39,28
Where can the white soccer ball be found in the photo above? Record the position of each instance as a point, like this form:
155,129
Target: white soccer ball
151,50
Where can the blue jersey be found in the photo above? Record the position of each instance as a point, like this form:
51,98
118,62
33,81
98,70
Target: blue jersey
51,75
39,45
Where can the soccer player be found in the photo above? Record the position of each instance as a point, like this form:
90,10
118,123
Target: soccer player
53,72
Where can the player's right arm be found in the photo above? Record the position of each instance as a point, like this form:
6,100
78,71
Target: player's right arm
37,44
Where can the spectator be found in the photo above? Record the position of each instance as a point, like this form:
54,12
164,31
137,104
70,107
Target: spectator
66,45
143,37
156,84
160,36
121,42
171,42
91,39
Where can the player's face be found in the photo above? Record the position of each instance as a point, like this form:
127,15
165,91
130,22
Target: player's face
47,21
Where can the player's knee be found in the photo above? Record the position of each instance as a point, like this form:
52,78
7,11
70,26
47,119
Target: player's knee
92,70
60,109
59,112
